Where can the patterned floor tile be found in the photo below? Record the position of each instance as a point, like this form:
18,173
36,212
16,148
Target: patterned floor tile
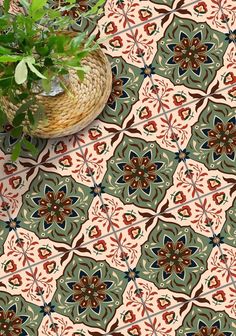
18,316
128,227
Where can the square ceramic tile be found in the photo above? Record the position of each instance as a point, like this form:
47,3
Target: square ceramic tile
128,227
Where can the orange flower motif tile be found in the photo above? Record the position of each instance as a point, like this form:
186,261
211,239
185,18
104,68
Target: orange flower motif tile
128,227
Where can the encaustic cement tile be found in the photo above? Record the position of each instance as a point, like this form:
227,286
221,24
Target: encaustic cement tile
53,206
126,178
178,37
174,245
213,140
18,317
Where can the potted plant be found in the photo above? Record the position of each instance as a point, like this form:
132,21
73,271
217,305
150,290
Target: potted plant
53,82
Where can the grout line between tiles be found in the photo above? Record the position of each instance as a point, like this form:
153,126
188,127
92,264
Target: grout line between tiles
72,249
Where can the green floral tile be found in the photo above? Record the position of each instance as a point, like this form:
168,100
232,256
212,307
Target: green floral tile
203,322
190,53
89,291
139,172
55,207
174,257
18,317
213,140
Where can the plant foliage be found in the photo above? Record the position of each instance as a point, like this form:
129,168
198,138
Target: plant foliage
35,48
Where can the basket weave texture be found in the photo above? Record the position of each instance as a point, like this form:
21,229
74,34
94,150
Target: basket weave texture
69,112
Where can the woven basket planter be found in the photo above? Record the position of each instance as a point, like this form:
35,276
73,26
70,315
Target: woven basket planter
69,112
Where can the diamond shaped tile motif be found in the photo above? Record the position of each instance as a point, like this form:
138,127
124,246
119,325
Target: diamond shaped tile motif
139,172
190,53
171,259
128,227
55,207
89,291
215,132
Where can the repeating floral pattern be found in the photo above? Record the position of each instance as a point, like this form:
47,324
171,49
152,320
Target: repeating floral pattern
139,172
190,53
128,227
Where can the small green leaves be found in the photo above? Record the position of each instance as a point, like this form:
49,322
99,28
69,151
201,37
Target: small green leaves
4,51
21,143
16,132
25,4
30,117
47,84
21,72
10,58
89,41
6,5
42,50
3,118
18,119
28,145
76,41
81,74
30,62
36,5
16,151
95,9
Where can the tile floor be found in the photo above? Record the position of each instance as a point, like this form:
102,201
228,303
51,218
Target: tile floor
129,227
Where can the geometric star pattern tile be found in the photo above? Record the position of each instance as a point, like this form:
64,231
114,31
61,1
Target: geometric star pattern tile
129,226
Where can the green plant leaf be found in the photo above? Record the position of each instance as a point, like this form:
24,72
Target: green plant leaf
53,14
39,14
10,58
16,151
95,8
24,107
6,5
30,117
42,50
47,85
21,72
25,4
4,51
3,119
31,147
8,38
89,41
18,119
4,23
81,74
36,5
76,41
81,71
34,70
16,132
